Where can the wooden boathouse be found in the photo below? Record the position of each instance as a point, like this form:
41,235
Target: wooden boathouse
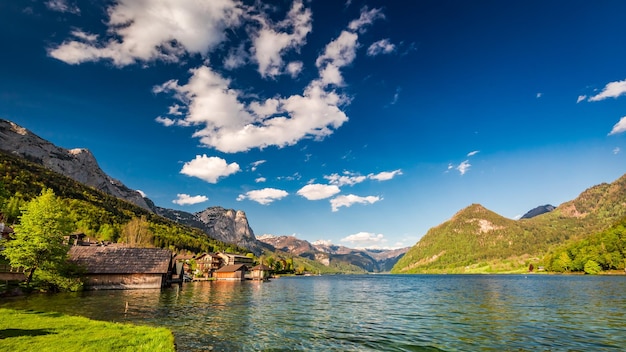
116,267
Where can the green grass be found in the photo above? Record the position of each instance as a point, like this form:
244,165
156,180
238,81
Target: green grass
42,331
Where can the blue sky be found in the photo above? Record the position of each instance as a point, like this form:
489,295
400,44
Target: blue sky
363,123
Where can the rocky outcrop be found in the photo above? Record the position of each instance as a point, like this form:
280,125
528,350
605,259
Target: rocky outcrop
226,225
78,164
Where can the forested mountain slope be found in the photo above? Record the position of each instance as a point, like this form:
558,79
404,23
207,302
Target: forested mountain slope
479,240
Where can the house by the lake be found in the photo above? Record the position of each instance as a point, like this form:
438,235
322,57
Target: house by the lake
231,272
117,267
235,259
260,272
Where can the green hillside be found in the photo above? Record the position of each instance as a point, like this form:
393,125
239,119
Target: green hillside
98,215
479,240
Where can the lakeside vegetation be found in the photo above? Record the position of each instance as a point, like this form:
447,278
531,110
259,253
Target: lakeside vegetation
54,332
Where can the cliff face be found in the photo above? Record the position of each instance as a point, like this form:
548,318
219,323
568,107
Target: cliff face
226,225
78,164
230,226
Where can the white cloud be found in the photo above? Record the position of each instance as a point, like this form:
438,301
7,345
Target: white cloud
85,36
260,179
383,46
365,240
318,191
619,127
347,179
581,98
143,194
231,126
271,41
347,201
611,90
209,169
294,68
237,57
473,153
256,164
228,120
616,150
464,167
539,95
185,199
264,196
62,6
366,18
385,175
148,30
165,121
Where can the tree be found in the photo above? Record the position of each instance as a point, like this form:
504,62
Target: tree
38,238
592,268
136,233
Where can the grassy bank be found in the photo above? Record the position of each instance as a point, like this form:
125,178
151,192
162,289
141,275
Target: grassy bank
39,331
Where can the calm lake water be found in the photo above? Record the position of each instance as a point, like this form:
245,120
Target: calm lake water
372,313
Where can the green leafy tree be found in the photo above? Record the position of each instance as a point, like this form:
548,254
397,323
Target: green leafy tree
38,238
592,268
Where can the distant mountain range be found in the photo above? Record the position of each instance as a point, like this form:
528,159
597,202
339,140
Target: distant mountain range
371,260
478,240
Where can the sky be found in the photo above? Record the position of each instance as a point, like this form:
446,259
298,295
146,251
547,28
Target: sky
360,123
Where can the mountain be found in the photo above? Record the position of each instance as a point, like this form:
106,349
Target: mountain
479,240
78,164
542,209
226,225
367,259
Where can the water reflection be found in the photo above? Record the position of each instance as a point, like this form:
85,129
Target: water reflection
371,313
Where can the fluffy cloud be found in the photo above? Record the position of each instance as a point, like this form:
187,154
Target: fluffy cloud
464,167
209,169
271,42
365,240
473,153
619,127
185,199
348,200
148,30
318,191
385,175
383,46
260,179
231,126
616,150
264,196
611,90
228,120
581,98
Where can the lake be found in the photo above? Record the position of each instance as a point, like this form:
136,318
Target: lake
371,312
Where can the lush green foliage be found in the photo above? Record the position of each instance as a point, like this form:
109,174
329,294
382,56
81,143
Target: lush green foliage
604,250
478,240
38,239
38,331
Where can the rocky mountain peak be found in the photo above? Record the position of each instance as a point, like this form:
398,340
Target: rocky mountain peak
78,164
